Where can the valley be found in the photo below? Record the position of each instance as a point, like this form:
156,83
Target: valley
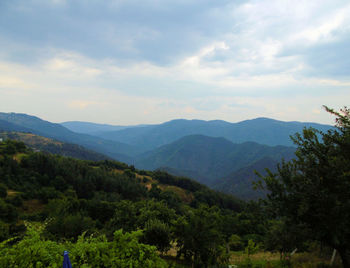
219,154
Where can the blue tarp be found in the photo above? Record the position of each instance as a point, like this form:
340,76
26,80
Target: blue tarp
66,261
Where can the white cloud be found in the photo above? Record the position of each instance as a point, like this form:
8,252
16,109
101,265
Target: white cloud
131,62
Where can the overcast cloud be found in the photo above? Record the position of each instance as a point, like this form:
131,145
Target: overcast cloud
129,62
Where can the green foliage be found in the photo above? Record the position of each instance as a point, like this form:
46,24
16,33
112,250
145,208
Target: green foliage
199,238
70,226
16,200
251,248
235,243
4,231
157,233
12,147
8,212
313,189
32,251
3,191
284,237
123,251
130,253
74,197
129,173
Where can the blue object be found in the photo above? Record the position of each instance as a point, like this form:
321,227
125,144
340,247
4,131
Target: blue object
66,261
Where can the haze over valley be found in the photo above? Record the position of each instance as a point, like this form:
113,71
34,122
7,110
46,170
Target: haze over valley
217,153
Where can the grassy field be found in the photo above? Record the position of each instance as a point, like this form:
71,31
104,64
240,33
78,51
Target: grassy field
299,260
267,260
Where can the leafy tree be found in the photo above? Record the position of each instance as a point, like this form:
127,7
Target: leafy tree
199,238
152,209
157,233
70,226
8,212
251,248
284,237
235,243
314,188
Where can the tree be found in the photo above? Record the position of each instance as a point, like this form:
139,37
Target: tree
198,237
157,233
314,188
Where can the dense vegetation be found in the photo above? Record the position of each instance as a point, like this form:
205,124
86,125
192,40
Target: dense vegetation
109,214
71,197
40,143
209,159
312,191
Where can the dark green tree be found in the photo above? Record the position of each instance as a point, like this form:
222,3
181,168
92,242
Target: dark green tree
314,188
3,190
157,233
198,237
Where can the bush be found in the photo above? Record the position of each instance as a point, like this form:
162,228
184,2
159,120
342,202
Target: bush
123,251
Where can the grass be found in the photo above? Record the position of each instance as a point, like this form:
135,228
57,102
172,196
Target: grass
240,256
272,260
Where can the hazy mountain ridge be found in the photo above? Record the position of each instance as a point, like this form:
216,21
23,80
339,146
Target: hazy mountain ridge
240,182
43,144
261,130
89,128
210,158
215,161
27,123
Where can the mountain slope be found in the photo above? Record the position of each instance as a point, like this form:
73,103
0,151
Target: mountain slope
39,143
90,128
240,182
261,130
26,123
208,159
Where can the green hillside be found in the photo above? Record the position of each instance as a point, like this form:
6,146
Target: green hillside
209,159
35,125
240,182
75,196
43,144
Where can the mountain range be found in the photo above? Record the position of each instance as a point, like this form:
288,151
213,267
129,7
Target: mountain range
35,125
220,154
260,130
209,158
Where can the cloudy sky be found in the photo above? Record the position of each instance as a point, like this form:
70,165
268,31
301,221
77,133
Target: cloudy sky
129,62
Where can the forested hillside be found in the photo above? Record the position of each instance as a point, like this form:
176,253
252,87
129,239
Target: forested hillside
209,160
35,125
43,144
74,196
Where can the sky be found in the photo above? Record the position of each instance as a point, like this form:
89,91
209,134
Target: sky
126,62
